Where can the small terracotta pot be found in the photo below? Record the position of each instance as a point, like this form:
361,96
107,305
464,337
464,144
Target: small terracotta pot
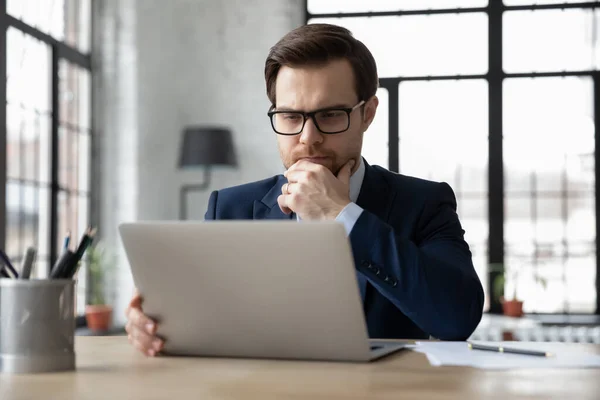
99,317
512,308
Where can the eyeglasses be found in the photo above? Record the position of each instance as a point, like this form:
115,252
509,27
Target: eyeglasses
327,120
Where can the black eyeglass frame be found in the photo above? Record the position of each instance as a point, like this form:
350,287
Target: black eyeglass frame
311,115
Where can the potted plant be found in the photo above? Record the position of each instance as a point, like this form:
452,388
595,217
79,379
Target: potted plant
512,306
98,314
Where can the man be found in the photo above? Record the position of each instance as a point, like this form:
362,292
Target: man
414,268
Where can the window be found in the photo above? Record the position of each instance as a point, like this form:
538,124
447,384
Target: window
573,47
64,20
446,45
439,65
48,123
549,169
28,126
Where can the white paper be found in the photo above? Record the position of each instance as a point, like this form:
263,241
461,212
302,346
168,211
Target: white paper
458,354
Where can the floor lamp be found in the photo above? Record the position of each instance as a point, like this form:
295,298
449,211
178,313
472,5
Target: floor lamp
204,147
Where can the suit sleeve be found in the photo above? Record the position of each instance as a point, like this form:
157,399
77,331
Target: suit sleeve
431,279
211,211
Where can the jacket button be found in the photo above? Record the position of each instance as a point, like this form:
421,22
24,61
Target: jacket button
394,283
376,271
366,264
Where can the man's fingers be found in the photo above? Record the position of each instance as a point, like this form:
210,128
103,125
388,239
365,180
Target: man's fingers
136,302
303,165
138,318
298,175
149,351
282,201
146,340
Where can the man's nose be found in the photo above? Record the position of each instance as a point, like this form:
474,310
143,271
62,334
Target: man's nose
310,134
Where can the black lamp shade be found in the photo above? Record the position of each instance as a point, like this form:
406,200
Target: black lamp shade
207,146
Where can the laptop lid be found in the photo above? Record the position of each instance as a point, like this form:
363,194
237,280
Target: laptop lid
261,289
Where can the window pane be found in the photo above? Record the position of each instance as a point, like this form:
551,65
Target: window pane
548,132
28,71
68,165
580,290
27,210
423,45
572,47
346,6
65,20
71,218
376,138
74,132
75,95
77,27
450,114
549,175
28,143
47,16
85,154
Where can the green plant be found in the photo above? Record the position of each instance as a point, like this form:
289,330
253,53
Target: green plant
99,264
511,275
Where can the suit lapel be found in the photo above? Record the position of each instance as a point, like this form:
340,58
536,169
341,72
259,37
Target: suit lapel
374,195
268,208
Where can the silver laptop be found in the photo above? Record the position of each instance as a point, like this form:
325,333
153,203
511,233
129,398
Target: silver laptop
259,289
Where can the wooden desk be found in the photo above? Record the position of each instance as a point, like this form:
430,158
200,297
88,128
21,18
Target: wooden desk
108,368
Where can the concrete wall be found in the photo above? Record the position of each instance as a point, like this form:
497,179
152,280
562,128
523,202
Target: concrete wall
162,65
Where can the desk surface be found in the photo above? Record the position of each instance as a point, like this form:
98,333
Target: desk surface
108,368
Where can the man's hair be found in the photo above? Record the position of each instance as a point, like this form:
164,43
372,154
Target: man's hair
317,44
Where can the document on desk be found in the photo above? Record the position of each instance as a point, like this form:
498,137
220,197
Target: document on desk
458,354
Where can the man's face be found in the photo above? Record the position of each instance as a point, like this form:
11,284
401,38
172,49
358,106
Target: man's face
310,88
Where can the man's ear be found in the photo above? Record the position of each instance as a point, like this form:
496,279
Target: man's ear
370,110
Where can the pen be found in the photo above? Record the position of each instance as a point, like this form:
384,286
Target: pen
502,349
67,265
86,239
28,263
10,270
67,240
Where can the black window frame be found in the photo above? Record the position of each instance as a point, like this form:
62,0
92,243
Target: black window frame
59,50
495,78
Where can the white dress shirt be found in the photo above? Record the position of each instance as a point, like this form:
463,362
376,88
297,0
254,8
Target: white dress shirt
350,214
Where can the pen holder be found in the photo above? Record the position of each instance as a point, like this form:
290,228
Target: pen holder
37,325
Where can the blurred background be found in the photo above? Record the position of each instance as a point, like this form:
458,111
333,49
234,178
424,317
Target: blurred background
498,98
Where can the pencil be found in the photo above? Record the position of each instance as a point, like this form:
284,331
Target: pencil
10,270
28,263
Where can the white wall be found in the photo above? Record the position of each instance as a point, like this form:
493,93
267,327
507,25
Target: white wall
160,66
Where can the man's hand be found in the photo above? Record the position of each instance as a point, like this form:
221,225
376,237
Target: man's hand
141,329
313,192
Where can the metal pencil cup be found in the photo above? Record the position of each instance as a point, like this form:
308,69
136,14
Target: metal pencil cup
37,325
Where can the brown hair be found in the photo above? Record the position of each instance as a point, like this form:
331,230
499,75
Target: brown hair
317,44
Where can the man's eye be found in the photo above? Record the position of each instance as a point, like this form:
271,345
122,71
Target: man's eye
331,114
291,117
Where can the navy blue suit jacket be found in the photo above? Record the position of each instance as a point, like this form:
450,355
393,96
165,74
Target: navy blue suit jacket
414,268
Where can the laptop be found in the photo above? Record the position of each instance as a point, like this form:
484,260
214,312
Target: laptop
252,289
